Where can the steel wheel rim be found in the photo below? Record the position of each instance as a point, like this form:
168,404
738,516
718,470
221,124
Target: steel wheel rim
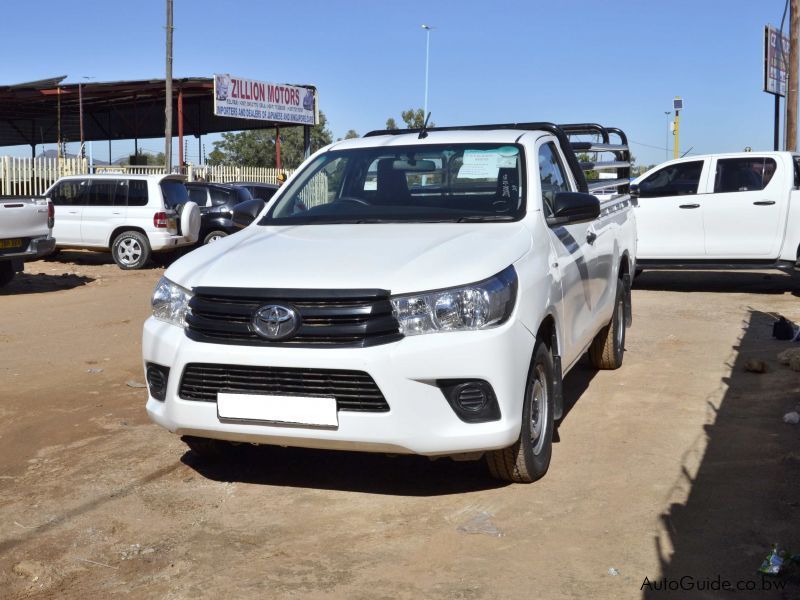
214,238
539,410
129,251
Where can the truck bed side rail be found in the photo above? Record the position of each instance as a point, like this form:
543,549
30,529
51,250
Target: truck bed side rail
606,162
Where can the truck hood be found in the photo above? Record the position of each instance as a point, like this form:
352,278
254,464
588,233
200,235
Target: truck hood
396,257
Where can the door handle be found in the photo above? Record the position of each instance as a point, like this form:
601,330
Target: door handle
689,206
764,203
591,236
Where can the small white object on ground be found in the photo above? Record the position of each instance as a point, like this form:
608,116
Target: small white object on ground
480,523
613,571
792,418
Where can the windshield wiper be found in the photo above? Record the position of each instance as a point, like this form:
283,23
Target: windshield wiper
478,218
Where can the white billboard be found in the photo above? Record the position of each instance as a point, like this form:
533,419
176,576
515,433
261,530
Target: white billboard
250,99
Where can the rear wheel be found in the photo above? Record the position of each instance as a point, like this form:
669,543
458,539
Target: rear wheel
6,272
608,346
529,458
213,236
131,250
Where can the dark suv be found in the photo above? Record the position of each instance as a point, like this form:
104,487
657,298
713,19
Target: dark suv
262,191
216,202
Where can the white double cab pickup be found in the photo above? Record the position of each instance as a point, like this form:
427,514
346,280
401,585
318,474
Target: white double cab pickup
130,215
407,292
721,210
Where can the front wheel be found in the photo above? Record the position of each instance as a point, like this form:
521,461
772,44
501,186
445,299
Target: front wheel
529,458
608,346
131,250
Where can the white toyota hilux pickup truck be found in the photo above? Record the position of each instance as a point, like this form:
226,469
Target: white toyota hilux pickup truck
720,211
26,228
414,291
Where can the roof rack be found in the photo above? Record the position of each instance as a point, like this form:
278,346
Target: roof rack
617,155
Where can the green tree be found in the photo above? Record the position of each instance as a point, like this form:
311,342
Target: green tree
351,133
414,119
256,148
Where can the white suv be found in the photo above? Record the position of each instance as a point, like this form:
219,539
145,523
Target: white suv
131,215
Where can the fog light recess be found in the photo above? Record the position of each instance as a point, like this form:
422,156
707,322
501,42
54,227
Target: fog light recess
473,400
157,378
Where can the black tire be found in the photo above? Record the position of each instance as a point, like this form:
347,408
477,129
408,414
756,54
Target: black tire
529,458
207,448
608,347
6,272
213,236
638,271
131,250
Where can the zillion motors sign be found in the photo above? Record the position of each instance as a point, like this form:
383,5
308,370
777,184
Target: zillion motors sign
250,99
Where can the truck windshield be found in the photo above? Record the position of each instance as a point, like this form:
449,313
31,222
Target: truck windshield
424,183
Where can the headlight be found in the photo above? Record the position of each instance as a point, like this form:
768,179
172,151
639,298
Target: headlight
479,305
171,302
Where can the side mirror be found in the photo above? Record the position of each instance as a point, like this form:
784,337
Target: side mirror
634,193
574,207
246,212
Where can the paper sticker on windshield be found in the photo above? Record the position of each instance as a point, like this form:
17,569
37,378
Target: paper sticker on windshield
484,164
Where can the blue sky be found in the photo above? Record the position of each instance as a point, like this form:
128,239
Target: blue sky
616,62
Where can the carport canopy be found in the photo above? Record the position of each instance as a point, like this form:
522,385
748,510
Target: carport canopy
47,111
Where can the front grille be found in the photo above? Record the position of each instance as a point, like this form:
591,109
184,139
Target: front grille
332,318
353,390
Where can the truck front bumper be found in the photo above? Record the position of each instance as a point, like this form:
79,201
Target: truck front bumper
419,419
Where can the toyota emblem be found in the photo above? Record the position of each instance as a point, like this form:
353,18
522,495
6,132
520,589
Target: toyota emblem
276,322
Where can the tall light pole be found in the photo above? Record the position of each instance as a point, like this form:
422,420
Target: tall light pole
168,95
667,113
427,29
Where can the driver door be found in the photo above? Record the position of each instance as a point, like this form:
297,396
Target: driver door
669,217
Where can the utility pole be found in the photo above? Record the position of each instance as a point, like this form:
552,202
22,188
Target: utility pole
791,92
168,104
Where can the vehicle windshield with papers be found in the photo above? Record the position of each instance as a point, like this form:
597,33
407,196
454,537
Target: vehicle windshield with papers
417,184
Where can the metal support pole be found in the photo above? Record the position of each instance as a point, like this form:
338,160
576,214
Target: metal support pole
306,141
80,110
277,147
168,95
180,128
777,141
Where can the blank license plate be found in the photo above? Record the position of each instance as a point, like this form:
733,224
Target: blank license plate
290,410
12,243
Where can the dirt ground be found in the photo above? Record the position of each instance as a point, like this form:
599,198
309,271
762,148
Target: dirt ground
677,465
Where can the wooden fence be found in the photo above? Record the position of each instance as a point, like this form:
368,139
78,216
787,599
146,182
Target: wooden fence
32,177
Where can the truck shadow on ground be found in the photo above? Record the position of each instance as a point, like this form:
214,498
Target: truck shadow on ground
739,491
726,282
364,472
38,283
